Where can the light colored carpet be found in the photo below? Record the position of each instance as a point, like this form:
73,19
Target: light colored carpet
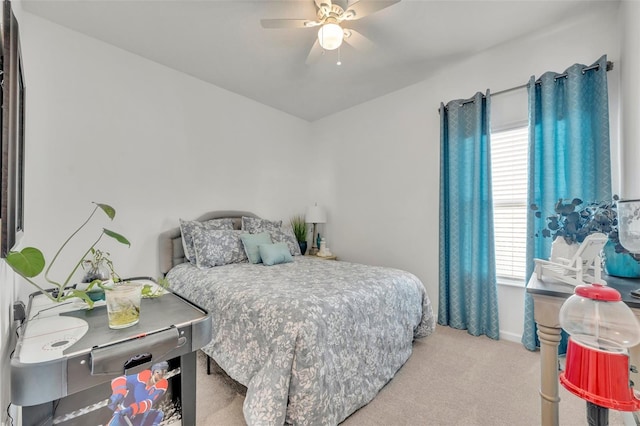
452,378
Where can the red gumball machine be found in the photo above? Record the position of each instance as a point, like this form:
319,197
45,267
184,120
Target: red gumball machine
602,328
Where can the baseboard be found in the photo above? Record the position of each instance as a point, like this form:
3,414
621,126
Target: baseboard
511,337
505,335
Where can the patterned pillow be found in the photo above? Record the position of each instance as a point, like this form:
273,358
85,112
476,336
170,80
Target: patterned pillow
217,247
274,254
187,229
278,233
286,235
253,225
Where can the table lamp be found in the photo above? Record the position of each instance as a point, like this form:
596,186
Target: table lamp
315,214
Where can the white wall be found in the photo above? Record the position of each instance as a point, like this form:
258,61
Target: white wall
381,158
105,125
630,69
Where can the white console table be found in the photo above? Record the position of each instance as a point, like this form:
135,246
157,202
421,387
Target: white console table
548,296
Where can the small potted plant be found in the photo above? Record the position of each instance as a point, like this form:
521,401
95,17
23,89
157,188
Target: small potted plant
30,263
299,226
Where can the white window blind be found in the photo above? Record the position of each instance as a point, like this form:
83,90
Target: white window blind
509,175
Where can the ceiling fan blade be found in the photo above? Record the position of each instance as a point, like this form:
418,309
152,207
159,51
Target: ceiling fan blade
324,5
362,8
288,23
357,40
314,53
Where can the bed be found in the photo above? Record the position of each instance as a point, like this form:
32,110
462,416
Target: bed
312,340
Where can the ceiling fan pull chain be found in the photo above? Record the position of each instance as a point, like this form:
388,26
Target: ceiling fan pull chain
339,61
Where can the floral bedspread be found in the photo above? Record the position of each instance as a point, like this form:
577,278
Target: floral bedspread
312,340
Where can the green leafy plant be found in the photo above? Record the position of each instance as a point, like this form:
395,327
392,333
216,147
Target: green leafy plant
299,226
574,220
151,291
30,262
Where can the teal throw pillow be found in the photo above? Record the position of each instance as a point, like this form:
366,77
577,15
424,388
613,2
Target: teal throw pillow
273,254
251,243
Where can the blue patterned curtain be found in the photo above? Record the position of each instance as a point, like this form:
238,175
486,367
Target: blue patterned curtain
568,155
468,294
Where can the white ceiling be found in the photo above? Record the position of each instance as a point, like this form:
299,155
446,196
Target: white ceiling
222,42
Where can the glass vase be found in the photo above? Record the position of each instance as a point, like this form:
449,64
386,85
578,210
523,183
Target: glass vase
96,271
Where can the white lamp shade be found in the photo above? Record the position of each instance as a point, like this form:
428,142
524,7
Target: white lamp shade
315,214
330,36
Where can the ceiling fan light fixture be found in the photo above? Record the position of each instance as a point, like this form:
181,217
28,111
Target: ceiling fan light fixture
330,36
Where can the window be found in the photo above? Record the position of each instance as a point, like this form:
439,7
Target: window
509,175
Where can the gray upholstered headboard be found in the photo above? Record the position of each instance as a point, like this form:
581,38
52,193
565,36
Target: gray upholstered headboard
170,242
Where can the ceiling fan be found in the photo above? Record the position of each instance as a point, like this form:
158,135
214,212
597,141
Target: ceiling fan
330,19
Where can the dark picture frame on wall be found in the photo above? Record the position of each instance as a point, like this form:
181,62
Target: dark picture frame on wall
12,137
